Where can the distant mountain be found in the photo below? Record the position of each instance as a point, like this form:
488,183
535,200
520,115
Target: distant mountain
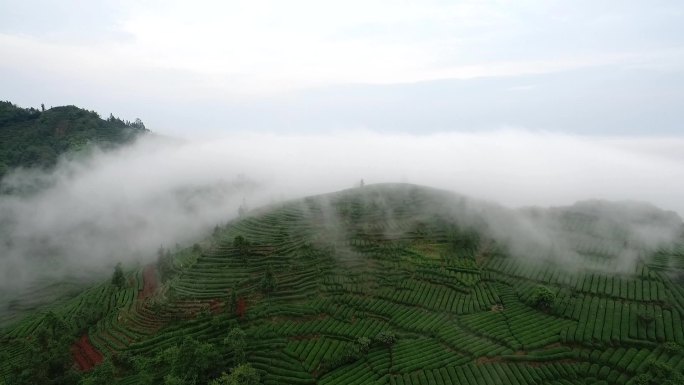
33,138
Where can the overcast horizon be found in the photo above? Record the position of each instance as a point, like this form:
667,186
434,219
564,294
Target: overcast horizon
602,69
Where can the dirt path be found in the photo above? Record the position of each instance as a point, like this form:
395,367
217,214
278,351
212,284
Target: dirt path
149,282
85,355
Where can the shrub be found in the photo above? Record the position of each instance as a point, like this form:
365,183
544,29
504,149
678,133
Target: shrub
243,374
386,338
118,278
543,298
672,347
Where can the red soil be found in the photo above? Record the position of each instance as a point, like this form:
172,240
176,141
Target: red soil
149,282
241,307
215,306
85,354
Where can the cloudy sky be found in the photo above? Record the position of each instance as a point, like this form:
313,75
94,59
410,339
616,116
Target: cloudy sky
522,102
207,67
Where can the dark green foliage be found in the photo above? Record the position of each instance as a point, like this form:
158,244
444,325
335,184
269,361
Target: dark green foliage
672,347
268,281
643,379
645,318
34,138
363,344
170,379
372,297
118,278
663,373
543,298
102,374
123,360
386,338
241,244
192,361
236,341
164,263
243,374
231,305
352,352
49,358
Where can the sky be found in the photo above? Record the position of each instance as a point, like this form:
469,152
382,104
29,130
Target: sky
522,103
204,68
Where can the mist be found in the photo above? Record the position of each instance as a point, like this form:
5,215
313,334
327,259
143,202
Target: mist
99,208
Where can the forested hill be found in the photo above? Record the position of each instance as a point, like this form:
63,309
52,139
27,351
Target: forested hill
35,138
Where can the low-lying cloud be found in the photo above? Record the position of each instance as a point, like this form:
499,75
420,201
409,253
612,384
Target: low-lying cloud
101,208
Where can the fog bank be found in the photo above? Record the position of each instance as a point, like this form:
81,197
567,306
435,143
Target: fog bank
102,208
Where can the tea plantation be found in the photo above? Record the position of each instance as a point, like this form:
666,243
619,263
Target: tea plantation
383,284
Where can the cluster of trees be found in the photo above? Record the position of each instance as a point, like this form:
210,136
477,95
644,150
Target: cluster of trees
164,263
242,245
49,359
360,347
36,138
191,362
543,298
118,278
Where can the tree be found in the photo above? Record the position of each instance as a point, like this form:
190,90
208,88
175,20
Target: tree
164,263
231,306
101,375
48,358
543,298
243,374
118,278
242,210
386,338
268,282
241,244
236,340
193,361
138,124
363,344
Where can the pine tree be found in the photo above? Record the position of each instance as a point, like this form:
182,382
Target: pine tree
118,278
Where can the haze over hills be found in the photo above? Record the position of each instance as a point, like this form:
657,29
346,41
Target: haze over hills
381,283
387,284
360,192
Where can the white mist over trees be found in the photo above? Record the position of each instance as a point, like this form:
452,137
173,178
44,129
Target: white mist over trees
121,205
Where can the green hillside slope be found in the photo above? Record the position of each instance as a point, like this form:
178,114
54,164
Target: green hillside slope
382,284
33,138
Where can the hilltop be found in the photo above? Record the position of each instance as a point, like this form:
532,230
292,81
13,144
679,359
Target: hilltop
384,284
36,138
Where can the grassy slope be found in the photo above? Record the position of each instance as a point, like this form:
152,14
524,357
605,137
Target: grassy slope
355,263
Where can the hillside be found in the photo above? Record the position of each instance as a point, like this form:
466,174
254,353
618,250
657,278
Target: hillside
384,284
34,138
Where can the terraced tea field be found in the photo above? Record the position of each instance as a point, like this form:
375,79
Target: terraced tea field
391,274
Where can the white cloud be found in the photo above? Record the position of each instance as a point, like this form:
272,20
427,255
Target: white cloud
122,205
257,47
